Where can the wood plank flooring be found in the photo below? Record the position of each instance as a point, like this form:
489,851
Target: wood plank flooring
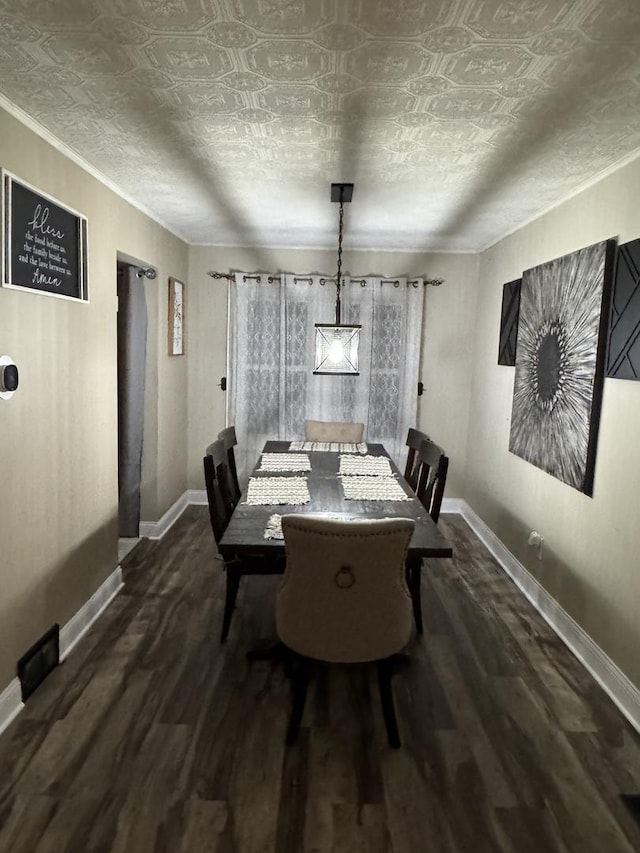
154,737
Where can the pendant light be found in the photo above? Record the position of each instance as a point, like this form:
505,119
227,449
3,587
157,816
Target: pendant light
337,343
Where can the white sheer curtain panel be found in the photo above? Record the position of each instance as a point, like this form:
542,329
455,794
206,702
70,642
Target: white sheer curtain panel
272,389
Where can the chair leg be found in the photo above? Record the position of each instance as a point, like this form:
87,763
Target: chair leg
414,578
299,682
385,673
233,584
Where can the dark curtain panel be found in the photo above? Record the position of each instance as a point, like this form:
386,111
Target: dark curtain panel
132,347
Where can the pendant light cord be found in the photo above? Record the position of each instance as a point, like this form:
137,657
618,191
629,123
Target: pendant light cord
339,276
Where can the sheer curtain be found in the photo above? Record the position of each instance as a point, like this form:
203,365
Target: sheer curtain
272,389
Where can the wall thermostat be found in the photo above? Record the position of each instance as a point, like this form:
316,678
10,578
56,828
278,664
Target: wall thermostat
8,377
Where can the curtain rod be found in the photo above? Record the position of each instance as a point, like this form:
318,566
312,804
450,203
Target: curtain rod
434,282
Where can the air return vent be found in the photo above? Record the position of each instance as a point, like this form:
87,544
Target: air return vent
632,802
37,663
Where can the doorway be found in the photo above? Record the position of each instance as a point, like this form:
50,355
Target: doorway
132,349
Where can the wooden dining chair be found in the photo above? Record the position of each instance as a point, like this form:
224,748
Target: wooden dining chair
343,599
220,510
433,465
412,468
228,437
342,431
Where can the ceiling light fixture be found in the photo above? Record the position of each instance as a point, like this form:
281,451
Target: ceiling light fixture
337,343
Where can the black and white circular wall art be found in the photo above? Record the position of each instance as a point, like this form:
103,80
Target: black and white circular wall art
559,364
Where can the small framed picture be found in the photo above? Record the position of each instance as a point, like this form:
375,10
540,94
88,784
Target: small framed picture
176,316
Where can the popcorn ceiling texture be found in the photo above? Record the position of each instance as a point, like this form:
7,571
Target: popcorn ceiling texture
227,119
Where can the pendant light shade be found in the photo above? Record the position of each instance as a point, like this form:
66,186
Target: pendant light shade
337,349
337,343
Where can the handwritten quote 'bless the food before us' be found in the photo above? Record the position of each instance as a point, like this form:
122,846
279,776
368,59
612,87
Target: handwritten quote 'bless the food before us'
42,249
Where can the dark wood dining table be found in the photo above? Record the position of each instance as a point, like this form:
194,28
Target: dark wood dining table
245,532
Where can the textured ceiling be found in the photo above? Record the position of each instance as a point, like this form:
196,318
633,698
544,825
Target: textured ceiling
227,120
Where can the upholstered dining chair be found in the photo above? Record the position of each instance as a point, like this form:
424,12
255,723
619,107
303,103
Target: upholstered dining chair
433,465
220,510
344,599
344,431
228,437
412,469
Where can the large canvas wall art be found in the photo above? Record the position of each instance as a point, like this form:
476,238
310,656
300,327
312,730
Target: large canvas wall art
560,363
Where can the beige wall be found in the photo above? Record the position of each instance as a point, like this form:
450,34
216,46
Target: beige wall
58,447
447,346
590,555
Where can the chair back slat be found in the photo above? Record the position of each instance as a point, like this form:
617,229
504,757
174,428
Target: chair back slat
229,440
414,440
433,466
218,510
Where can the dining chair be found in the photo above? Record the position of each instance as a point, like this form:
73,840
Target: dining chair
344,599
343,431
433,465
220,510
228,437
414,439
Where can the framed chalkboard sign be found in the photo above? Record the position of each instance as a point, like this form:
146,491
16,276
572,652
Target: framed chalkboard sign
44,242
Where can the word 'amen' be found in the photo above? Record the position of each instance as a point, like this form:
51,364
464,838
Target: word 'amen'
41,278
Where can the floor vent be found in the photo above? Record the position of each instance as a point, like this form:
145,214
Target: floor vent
37,663
632,802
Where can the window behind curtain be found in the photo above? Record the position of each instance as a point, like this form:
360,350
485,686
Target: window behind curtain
272,389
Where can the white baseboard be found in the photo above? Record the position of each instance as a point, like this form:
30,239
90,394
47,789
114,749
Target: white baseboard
10,703
70,634
453,505
79,624
157,529
198,497
612,680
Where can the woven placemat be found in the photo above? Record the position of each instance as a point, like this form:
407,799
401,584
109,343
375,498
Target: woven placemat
365,466
284,462
373,489
273,530
264,491
331,446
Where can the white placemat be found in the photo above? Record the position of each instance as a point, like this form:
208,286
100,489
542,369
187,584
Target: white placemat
273,530
264,491
373,489
332,446
284,462
371,466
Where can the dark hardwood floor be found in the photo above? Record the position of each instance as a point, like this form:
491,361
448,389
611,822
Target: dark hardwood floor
153,737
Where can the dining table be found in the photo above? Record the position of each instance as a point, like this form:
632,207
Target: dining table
253,526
